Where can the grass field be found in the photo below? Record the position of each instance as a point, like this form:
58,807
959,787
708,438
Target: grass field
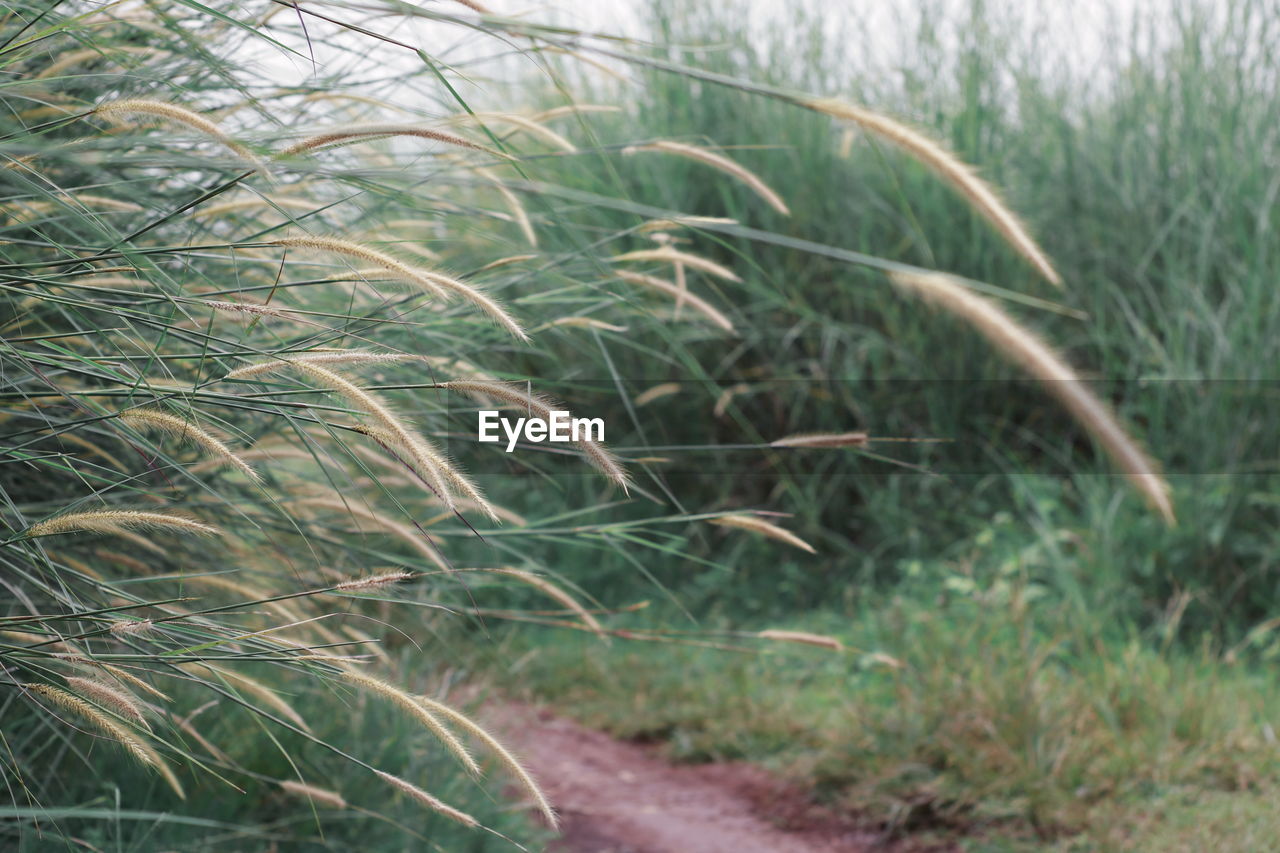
962,363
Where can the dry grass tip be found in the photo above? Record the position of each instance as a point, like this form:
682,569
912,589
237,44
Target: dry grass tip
764,528
112,520
720,162
1033,355
980,195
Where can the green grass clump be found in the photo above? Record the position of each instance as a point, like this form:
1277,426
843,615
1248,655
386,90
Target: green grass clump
973,719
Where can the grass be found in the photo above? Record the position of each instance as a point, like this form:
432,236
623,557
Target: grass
265,305
1000,723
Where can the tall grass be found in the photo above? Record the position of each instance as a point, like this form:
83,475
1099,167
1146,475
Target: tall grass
254,259
1145,177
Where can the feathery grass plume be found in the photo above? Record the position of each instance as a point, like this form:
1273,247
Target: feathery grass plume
716,161
434,282
106,281
404,532
528,125
1033,355
823,439
505,755
181,115
545,586
518,213
121,735
474,6
188,728
764,528
682,222
427,800
574,109
185,429
322,796
359,251
418,712
110,520
372,582
453,476
421,455
674,256
115,699
251,686
502,262
803,637
214,211
129,678
255,310
657,392
356,357
596,454
586,323
361,132
697,303
981,196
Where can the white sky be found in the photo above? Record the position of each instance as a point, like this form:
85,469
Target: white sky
878,32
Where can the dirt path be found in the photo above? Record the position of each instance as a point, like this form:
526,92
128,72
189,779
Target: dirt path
617,797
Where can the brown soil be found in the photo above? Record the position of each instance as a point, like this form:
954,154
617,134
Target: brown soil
618,797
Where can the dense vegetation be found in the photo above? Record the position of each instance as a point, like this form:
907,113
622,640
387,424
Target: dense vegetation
229,236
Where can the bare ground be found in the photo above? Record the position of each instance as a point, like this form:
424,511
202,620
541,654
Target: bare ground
618,797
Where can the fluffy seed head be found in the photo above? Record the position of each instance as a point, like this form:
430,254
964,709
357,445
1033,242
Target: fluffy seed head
415,709
373,582
348,357
112,698
404,532
433,282
360,132
1034,356
322,796
110,520
428,800
661,285
803,637
137,747
764,528
185,429
823,439
951,169
717,161
180,115
132,627
674,256
508,760
548,588
530,126
587,323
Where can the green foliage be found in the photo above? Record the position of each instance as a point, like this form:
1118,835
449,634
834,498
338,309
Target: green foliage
139,266
991,714
1151,185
